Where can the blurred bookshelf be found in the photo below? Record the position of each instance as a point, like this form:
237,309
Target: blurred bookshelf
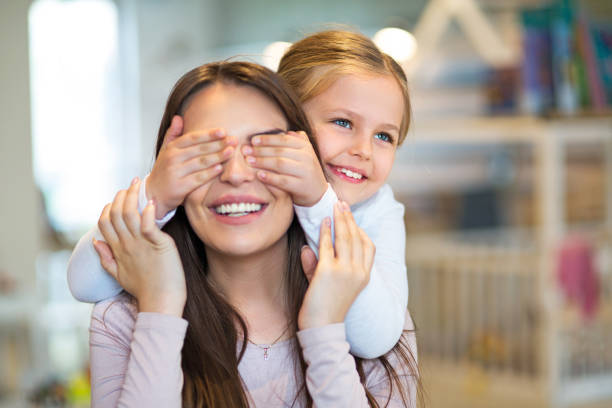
506,177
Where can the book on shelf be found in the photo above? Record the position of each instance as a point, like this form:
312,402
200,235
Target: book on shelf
537,61
601,35
567,59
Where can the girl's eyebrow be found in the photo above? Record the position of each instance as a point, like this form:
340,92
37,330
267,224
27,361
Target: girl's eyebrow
390,126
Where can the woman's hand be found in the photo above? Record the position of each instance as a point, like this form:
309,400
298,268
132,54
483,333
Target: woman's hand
185,162
288,161
340,275
144,259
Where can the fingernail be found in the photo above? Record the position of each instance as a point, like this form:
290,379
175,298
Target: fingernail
219,133
247,149
218,167
255,140
228,151
347,208
250,159
134,181
261,174
327,221
151,202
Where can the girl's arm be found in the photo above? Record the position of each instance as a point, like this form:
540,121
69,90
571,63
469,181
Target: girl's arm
87,279
375,320
185,162
135,357
310,218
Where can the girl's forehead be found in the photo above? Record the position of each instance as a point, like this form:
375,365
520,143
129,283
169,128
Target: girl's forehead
380,94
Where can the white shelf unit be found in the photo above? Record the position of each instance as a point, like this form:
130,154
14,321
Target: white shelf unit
462,285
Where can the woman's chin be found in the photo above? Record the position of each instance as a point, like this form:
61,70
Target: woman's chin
242,245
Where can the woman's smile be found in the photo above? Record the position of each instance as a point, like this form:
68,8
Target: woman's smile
238,209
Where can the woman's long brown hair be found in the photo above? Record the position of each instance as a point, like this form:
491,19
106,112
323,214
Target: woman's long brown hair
209,355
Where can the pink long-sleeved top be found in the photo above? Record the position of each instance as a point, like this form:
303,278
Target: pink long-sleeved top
136,362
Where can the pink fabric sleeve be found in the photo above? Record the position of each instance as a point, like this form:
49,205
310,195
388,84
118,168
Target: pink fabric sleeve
135,357
332,379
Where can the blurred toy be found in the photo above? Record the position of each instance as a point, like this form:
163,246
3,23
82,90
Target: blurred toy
7,282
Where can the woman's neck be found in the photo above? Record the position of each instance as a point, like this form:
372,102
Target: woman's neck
254,285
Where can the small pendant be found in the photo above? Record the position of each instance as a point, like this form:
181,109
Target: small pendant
266,353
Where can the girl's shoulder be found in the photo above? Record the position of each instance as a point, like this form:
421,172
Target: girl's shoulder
383,199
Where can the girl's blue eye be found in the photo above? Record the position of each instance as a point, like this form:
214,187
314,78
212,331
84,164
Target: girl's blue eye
385,137
343,122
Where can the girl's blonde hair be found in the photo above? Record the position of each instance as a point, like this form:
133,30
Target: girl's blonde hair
313,64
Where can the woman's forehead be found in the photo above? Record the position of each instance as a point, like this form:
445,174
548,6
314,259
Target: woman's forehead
240,110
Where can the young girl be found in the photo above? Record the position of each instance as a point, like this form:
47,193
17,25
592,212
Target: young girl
357,102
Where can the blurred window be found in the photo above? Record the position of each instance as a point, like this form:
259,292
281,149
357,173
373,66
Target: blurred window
76,98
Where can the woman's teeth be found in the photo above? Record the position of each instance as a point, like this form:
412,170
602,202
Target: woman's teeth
349,173
237,209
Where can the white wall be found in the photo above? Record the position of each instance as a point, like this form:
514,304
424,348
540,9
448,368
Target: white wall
168,39
19,201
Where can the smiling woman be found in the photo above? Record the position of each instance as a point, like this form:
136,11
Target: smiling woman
223,202
224,280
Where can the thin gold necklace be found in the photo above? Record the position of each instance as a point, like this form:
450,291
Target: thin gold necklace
266,347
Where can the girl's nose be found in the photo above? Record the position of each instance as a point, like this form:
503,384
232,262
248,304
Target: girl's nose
362,146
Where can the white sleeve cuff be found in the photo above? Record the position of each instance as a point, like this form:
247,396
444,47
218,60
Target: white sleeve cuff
310,218
323,208
143,201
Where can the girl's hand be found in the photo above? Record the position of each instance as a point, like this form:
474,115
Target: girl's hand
144,259
340,275
185,162
288,161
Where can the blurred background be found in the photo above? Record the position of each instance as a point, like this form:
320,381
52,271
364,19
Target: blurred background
506,175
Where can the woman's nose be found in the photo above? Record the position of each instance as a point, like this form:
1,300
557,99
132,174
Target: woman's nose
362,146
236,170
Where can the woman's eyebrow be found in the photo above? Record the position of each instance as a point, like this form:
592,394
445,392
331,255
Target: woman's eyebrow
266,132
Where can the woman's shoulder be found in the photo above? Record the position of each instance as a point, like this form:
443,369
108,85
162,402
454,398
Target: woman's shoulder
116,314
